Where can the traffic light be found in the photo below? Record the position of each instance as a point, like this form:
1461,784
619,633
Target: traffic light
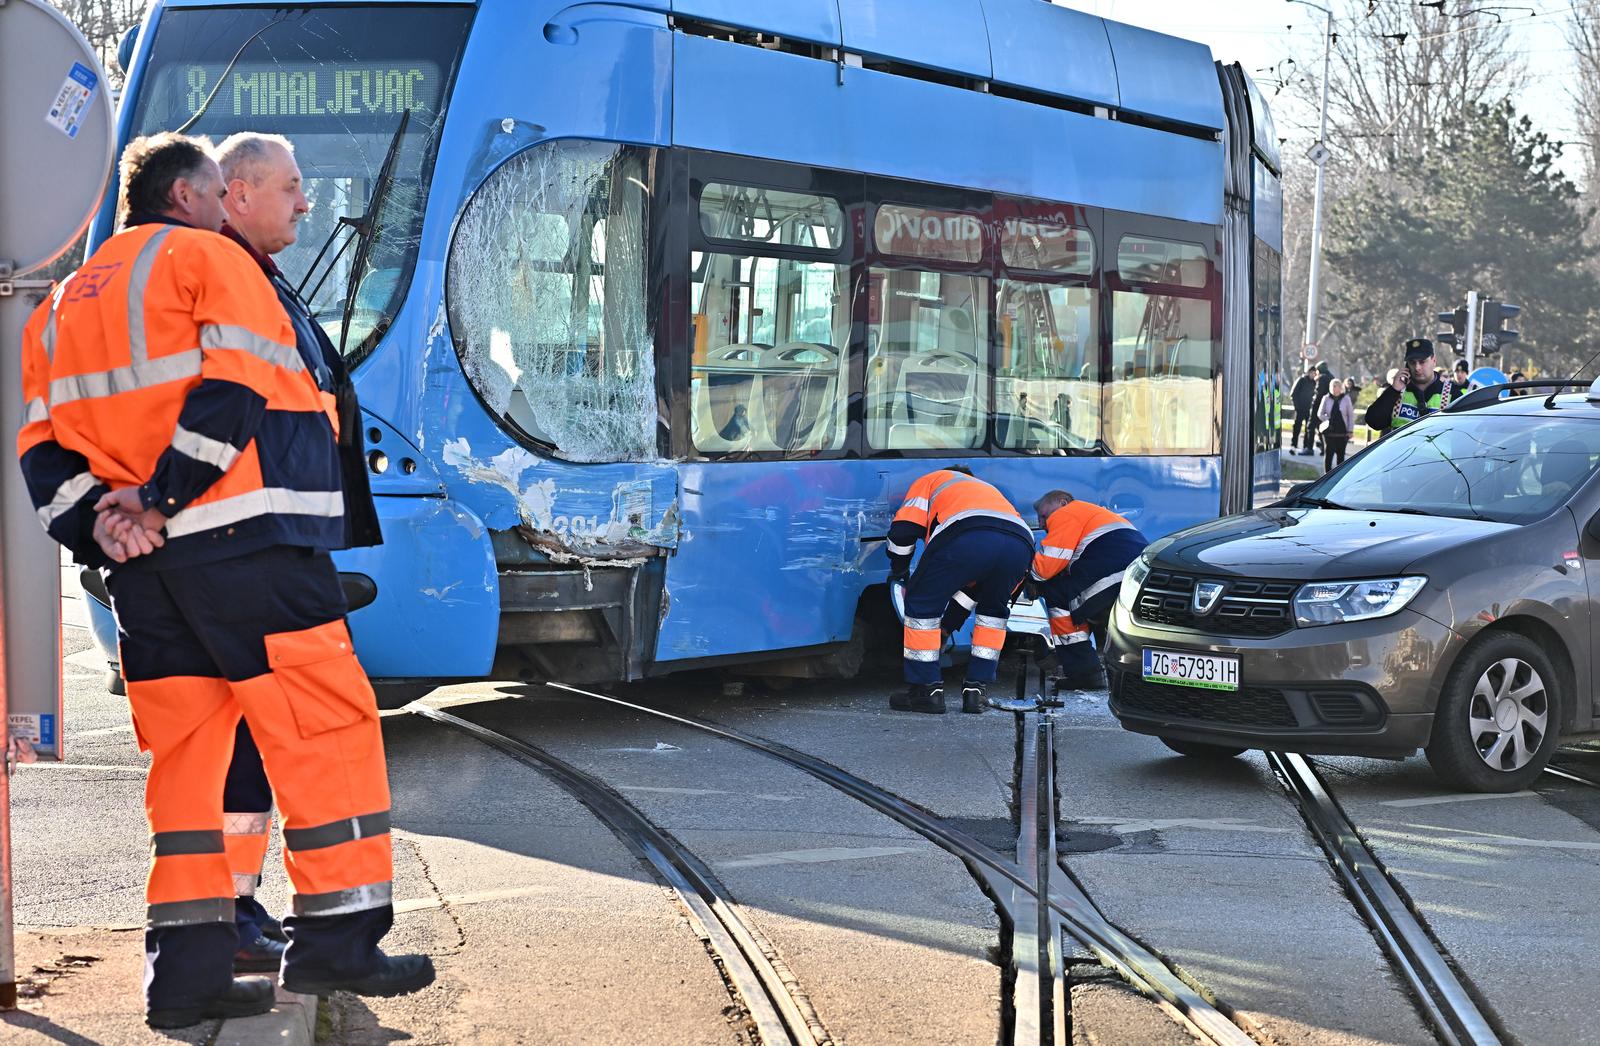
1495,316
1457,335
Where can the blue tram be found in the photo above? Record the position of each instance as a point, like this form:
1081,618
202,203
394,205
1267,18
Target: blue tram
656,307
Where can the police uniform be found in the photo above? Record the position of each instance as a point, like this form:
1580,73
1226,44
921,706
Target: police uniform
976,557
166,363
1078,568
1393,409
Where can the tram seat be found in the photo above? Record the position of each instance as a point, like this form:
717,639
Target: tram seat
798,387
726,383
937,403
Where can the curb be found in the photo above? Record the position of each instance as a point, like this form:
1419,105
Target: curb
291,1022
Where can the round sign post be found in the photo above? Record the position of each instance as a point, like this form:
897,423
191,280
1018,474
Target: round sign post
57,143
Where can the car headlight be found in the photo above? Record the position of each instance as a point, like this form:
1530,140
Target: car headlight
1132,578
1332,602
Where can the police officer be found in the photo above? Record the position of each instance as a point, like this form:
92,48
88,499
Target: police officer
264,204
1085,550
976,557
173,430
1423,392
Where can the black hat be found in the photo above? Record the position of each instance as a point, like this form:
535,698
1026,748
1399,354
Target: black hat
1418,349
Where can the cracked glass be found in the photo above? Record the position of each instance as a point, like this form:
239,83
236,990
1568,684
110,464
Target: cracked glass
545,288
335,81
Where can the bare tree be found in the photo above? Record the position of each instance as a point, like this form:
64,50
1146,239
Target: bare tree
1583,36
1403,73
103,22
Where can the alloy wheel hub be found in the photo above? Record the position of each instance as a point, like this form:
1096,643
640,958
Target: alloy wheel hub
1508,715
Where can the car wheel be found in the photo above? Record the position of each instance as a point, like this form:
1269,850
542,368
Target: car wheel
1497,720
1200,750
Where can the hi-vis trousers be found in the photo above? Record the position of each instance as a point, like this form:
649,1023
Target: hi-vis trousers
262,635
971,570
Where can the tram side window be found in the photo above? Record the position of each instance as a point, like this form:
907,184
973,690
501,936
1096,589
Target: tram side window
1163,395
1047,378
546,297
927,333
1269,348
770,335
927,360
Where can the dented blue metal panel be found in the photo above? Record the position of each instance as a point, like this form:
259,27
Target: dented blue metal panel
816,21
1052,50
1165,77
438,608
776,555
943,135
948,35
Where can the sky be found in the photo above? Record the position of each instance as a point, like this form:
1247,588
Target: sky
1260,33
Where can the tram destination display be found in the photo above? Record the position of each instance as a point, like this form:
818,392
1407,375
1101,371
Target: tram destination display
307,97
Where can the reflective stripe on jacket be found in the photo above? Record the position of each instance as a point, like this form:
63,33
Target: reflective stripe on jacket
1069,531
1438,395
166,363
945,502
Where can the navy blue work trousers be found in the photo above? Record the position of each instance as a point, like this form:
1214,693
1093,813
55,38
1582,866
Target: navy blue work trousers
1088,589
973,570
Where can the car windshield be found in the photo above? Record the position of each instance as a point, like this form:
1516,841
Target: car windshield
1506,468
336,81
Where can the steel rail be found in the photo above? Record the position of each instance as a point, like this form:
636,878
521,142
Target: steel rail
1031,921
778,1016
1443,999
1133,961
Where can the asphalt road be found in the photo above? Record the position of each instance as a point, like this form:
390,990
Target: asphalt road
546,927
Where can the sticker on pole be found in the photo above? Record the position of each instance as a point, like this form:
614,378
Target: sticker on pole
38,729
72,101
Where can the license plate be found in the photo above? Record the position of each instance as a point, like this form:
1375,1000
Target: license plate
1210,671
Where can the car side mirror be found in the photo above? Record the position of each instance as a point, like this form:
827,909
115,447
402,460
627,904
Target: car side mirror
1592,528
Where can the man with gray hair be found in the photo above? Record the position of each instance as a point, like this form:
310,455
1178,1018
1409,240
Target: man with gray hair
1078,568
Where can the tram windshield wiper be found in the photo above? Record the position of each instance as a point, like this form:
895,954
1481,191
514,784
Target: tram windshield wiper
366,228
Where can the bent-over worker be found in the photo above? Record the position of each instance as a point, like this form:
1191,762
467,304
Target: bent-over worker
1081,559
976,557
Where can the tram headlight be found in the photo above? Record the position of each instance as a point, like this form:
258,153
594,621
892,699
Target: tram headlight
1334,602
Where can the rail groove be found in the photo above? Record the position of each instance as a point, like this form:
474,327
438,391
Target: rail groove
777,1015
1133,961
1445,1002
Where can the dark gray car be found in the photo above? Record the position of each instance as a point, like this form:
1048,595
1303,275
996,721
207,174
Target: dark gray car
1434,592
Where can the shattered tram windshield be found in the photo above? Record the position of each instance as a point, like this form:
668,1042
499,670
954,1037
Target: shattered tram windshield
335,81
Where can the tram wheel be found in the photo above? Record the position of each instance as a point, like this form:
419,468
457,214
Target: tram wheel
1201,750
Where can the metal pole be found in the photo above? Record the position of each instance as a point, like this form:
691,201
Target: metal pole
1472,330
1321,159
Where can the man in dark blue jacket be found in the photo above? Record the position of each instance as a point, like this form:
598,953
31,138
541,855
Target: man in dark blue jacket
265,202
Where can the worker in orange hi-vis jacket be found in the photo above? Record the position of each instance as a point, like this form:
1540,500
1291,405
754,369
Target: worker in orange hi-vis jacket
1078,568
175,433
975,560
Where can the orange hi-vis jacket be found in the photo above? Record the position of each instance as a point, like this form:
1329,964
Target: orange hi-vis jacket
167,363
945,502
1069,532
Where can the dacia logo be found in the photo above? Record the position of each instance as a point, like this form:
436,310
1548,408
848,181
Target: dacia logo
1206,595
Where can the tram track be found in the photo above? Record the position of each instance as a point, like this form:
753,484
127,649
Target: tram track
1450,1008
778,1010
1058,902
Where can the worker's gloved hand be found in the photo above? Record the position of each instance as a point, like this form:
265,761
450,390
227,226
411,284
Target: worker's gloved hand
1030,589
900,574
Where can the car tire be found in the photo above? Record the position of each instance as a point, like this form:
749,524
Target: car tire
1498,718
1201,750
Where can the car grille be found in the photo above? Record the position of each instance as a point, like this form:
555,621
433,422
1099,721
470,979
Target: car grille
1249,706
1248,607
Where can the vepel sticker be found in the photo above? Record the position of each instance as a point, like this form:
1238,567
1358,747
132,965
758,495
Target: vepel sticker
72,101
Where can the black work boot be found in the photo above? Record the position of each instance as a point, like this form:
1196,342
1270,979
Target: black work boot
245,997
391,975
264,955
1082,677
972,697
919,697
